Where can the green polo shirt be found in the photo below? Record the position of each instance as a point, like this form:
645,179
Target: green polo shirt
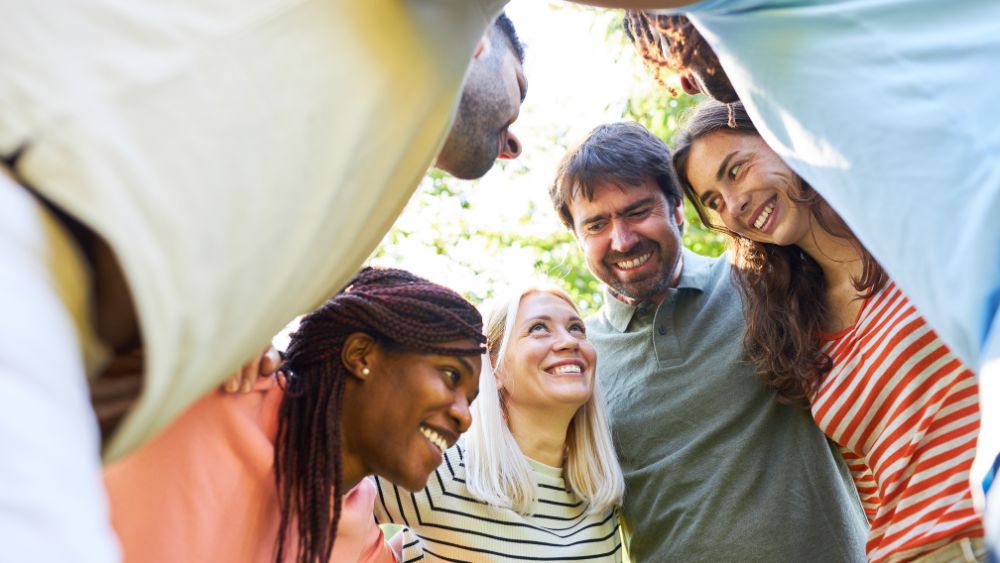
716,470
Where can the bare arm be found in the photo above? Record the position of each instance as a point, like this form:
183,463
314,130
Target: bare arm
636,4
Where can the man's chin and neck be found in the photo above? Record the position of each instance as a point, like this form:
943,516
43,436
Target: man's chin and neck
466,168
636,297
651,292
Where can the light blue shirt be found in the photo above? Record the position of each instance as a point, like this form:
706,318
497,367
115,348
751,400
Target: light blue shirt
891,110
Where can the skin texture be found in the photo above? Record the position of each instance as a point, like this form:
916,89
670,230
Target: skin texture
737,176
490,103
539,401
385,408
626,223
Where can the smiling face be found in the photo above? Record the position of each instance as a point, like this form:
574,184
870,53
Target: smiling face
400,417
631,238
739,179
549,363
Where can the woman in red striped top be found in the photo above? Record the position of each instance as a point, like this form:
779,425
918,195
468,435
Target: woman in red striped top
830,331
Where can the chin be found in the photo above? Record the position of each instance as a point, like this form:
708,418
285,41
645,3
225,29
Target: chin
415,484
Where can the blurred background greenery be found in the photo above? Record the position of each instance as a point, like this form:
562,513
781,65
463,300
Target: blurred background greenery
483,237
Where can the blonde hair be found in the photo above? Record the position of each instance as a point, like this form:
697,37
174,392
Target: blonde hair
498,473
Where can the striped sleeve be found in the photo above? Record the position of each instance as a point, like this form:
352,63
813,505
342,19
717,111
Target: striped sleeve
905,413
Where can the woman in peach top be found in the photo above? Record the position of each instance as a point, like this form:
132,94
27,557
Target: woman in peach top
376,381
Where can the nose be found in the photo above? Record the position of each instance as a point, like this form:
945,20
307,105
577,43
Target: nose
622,237
567,341
461,412
510,146
738,203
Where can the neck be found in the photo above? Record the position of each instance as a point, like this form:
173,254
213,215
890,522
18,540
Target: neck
351,471
541,435
839,257
841,261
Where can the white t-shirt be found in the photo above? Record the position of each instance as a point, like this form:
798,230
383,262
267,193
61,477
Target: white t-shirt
242,158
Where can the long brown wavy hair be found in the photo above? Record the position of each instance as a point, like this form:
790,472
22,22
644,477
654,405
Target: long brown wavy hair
782,287
400,311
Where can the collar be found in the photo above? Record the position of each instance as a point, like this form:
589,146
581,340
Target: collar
695,275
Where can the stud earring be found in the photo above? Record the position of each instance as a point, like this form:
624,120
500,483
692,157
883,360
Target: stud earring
365,371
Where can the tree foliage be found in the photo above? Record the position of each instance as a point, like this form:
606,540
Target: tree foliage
436,222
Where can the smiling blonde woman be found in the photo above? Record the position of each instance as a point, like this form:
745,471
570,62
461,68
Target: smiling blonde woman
537,473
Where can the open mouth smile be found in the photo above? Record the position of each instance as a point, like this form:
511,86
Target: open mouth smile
568,368
433,437
634,263
765,213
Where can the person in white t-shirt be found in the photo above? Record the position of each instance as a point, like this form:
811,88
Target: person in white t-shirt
159,160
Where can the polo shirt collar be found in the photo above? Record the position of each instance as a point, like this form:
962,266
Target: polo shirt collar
695,275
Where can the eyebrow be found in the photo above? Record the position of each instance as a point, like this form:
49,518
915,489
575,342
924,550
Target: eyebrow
537,318
724,165
623,211
641,203
465,363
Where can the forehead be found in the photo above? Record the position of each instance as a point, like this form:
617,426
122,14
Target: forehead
609,197
539,303
709,151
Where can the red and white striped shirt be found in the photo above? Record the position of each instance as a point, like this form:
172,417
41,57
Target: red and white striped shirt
905,413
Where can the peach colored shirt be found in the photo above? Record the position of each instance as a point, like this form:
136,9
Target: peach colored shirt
204,491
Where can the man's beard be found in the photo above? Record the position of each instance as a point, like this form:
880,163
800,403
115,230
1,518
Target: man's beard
639,290
474,142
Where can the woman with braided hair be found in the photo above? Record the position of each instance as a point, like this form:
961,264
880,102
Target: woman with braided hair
536,477
379,380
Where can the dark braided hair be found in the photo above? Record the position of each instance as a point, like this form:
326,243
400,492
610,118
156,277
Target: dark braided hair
671,43
398,310
682,42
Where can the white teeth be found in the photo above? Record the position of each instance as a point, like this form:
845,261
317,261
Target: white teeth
567,368
435,438
763,216
635,262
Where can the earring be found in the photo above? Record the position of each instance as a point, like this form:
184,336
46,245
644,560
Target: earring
365,371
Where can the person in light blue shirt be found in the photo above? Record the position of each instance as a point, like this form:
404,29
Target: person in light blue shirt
889,109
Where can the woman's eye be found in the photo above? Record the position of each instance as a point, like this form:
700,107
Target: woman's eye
735,170
712,203
537,327
577,327
453,376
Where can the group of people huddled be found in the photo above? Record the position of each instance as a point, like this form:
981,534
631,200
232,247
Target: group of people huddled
784,402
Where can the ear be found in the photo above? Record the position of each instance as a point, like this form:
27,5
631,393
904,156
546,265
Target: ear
357,355
679,213
500,379
688,84
482,47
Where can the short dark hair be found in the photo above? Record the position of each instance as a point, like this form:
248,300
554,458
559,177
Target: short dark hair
505,29
623,153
